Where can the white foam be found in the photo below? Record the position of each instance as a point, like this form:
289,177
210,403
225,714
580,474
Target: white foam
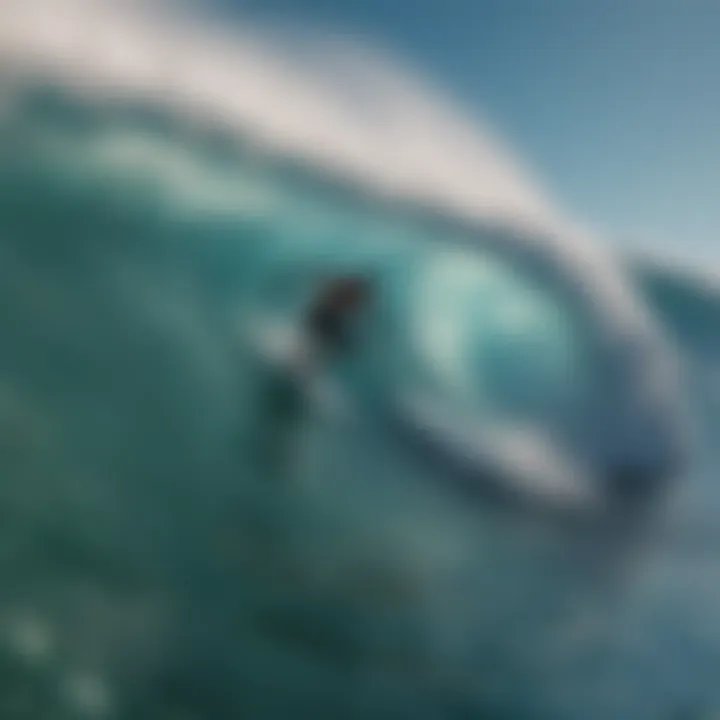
408,140
533,469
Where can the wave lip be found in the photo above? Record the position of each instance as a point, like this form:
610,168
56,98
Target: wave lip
408,142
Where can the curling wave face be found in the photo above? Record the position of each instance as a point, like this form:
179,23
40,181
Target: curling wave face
138,245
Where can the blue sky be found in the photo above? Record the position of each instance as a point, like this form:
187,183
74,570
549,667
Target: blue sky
615,103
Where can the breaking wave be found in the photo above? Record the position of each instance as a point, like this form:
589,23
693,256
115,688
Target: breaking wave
154,566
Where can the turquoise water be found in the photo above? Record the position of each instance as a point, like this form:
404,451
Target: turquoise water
154,567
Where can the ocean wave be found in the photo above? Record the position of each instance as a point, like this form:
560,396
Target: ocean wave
157,191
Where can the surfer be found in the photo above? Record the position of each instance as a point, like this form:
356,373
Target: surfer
324,332
328,323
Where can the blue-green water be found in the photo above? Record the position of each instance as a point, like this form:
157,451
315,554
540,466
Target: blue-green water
153,568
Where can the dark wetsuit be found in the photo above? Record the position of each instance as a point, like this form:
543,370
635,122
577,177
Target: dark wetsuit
329,320
328,330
